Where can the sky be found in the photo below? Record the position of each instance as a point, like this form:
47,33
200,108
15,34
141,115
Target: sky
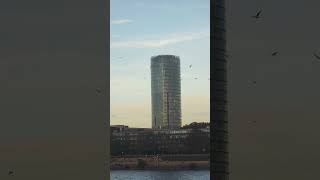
144,28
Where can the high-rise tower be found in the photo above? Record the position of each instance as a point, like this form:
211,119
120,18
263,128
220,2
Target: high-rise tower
166,91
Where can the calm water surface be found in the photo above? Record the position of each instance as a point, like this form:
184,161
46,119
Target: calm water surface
159,175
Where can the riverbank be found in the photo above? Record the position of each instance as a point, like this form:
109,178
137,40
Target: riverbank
187,162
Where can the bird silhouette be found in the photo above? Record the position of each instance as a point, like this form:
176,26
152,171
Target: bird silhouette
257,16
98,91
10,173
195,78
316,55
275,53
253,121
190,65
254,82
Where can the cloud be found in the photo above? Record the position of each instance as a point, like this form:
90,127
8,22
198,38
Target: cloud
173,39
121,21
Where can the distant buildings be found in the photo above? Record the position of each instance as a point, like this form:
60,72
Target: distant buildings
165,92
143,141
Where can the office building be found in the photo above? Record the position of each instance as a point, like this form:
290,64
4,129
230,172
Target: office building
166,92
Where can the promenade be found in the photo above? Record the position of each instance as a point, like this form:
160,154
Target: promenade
164,162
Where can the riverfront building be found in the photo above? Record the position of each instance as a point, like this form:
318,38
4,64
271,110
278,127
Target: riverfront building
147,141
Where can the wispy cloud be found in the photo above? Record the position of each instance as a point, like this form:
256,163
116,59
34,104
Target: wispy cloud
161,42
121,21
172,6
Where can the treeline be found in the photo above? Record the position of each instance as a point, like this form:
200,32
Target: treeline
196,125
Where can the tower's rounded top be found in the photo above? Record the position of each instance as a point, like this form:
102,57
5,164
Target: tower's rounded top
166,56
165,59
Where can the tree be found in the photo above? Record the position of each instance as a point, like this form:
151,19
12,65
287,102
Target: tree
196,125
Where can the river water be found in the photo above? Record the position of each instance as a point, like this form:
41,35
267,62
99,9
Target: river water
159,175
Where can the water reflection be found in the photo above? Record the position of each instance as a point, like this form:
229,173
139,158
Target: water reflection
160,175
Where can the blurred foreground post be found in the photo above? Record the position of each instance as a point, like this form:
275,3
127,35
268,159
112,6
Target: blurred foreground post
219,123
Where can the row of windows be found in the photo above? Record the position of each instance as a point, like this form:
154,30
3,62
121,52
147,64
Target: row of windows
165,61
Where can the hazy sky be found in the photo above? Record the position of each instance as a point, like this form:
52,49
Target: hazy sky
144,28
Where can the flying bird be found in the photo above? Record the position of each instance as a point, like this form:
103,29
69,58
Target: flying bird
275,53
257,16
98,91
316,55
10,173
195,78
190,65
254,82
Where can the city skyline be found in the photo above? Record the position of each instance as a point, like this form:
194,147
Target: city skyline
141,29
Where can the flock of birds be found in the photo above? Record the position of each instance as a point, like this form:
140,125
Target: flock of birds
275,53
258,16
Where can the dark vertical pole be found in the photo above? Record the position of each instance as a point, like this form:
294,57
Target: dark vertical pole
168,109
219,122
108,136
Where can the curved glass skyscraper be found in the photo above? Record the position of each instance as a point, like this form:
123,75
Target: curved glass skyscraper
166,92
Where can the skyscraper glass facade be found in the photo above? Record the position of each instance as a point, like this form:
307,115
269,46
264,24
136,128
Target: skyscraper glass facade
166,91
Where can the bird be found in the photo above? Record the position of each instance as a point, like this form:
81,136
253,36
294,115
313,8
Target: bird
190,65
98,91
195,78
254,82
257,16
275,53
316,55
10,173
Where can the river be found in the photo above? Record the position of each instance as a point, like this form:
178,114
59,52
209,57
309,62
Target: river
159,175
